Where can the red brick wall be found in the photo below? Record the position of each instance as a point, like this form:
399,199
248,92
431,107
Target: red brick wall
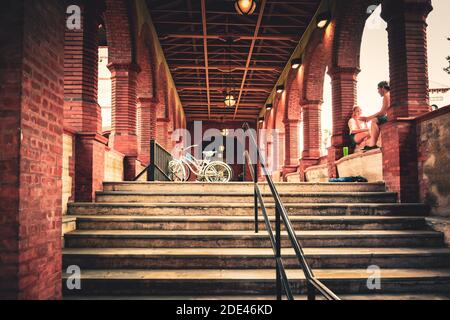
31,53
10,108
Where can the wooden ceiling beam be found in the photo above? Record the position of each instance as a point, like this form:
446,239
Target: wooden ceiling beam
221,89
235,37
205,47
224,68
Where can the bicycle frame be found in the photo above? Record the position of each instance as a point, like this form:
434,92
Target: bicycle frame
195,165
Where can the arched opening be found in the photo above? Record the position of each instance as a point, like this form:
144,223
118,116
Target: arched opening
316,96
278,138
374,63
104,81
438,50
326,115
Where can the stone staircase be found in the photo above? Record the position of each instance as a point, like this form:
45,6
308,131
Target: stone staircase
195,240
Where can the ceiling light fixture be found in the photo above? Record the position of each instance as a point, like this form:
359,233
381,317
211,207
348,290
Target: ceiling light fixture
323,19
280,89
245,7
230,101
296,63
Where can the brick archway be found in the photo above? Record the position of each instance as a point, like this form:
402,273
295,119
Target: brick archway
350,20
292,120
278,139
162,111
317,59
146,92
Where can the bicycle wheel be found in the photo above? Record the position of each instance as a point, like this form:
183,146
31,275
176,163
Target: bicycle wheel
218,172
177,171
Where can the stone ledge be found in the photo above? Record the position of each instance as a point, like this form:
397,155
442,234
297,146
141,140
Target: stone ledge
368,165
317,173
69,223
441,225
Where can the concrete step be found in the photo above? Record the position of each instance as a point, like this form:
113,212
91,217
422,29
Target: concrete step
247,223
247,239
249,282
242,187
243,209
232,258
243,197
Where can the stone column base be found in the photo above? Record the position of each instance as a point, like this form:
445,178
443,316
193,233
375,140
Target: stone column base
129,168
400,166
288,169
305,163
89,165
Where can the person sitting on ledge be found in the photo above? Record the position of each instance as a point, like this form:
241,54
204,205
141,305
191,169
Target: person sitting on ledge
381,117
359,131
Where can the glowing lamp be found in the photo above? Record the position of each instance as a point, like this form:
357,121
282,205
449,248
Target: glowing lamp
230,101
245,7
323,19
296,63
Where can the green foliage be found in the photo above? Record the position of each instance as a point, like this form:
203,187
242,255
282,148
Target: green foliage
448,59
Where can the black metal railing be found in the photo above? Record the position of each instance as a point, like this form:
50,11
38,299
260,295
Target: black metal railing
158,169
314,285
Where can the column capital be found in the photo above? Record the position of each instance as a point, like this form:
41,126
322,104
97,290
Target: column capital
124,67
410,10
147,100
311,104
337,71
291,122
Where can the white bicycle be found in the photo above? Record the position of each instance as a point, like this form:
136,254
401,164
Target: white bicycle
206,170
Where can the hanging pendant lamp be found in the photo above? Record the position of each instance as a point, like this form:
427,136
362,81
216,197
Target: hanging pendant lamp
245,7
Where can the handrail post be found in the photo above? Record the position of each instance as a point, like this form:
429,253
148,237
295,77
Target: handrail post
255,196
278,249
151,171
311,291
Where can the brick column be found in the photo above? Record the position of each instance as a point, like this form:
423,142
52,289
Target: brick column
344,81
280,151
162,132
146,126
291,149
124,109
82,112
311,135
409,96
31,144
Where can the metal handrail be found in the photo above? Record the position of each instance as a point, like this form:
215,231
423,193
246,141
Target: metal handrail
153,167
282,282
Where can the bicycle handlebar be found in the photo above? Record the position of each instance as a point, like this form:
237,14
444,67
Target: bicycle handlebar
194,146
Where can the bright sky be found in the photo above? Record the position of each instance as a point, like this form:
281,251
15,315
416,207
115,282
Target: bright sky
375,59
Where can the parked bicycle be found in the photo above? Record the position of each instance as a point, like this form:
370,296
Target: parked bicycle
205,169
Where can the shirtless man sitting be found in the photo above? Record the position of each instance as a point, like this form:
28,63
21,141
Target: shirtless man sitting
381,117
